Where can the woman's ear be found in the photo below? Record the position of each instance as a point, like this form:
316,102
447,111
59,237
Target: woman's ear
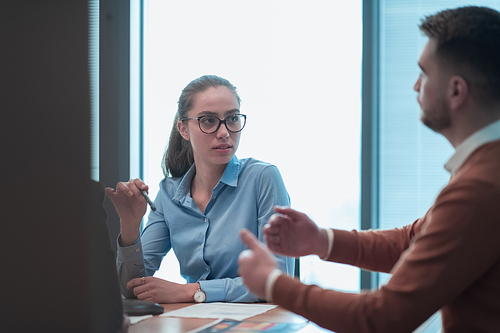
458,91
183,130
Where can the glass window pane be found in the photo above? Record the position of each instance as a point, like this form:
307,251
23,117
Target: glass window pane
94,86
297,67
412,157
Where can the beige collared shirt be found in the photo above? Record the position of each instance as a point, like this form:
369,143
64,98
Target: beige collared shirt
476,140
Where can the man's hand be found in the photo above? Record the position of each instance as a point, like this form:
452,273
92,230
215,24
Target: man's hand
255,264
162,291
294,234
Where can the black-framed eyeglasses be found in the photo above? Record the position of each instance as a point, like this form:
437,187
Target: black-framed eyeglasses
211,124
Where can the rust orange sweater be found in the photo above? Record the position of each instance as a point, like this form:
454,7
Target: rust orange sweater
449,259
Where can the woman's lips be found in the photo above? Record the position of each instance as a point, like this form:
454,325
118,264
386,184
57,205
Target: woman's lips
224,148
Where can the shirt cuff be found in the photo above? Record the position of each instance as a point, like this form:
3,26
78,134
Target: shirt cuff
271,280
213,289
329,232
131,253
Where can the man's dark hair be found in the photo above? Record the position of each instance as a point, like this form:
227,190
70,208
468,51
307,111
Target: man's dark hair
468,41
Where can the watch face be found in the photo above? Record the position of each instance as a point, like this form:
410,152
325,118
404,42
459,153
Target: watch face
199,296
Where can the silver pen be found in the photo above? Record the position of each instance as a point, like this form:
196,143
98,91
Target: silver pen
151,204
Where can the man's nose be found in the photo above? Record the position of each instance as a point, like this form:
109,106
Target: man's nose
416,87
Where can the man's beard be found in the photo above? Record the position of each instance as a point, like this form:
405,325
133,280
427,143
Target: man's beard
439,120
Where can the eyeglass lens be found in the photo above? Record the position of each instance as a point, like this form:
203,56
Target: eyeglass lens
210,124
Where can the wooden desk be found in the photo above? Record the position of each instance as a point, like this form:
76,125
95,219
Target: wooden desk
159,324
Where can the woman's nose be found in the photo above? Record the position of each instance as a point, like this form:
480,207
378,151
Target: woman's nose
222,132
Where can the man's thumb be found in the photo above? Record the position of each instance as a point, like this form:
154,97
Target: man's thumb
249,239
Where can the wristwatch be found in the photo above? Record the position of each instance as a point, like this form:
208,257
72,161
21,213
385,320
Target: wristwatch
199,296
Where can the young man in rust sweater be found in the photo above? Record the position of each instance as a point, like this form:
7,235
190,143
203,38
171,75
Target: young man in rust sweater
450,258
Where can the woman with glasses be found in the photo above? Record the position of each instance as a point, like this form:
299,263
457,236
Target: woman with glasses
207,196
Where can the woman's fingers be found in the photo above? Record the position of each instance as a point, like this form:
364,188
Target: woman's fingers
143,288
146,297
137,186
123,187
130,188
140,184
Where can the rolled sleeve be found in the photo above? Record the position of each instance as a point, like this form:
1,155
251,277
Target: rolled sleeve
130,264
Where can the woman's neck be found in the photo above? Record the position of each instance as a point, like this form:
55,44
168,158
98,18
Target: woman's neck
204,181
207,176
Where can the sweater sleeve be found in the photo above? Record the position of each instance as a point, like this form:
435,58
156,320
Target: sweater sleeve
374,250
455,247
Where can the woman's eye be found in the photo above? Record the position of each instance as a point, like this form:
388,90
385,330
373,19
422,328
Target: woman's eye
208,120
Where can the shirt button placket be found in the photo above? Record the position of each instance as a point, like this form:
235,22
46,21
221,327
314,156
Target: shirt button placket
203,244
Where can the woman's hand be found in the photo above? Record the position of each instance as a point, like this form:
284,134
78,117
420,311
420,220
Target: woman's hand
130,206
162,291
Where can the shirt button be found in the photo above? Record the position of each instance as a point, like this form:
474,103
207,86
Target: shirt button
137,250
201,245
206,219
208,268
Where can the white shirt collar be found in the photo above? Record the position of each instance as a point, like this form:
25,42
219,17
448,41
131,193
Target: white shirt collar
476,140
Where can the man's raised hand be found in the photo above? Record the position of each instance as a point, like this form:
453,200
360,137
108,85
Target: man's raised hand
294,234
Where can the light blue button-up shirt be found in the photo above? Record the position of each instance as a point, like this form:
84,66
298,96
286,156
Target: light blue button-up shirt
207,245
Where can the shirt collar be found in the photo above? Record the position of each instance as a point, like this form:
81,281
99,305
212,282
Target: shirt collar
473,142
184,187
229,177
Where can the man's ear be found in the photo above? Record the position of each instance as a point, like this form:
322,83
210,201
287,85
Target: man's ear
458,91
183,130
